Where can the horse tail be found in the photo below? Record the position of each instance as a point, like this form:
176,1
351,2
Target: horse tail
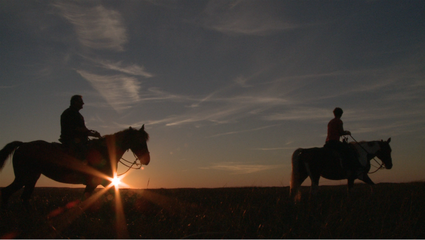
295,181
7,150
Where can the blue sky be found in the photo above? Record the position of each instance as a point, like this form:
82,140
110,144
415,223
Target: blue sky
227,90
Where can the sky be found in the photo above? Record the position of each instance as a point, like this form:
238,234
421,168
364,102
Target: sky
227,90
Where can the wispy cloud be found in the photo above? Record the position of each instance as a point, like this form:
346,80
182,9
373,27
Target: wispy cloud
300,113
243,131
11,86
95,26
241,168
226,109
243,17
242,81
221,106
132,69
120,91
276,101
273,149
156,94
218,114
116,82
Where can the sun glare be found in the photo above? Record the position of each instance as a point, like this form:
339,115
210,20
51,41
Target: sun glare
116,181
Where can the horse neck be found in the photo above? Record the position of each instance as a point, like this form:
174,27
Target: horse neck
115,145
371,147
366,151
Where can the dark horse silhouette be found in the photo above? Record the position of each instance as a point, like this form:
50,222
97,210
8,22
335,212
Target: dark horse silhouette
321,162
31,159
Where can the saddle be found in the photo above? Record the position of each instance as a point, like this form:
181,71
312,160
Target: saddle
347,157
79,154
338,155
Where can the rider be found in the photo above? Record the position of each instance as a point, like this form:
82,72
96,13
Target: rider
335,131
74,133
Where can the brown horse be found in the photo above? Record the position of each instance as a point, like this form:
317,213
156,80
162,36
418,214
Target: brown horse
321,162
31,159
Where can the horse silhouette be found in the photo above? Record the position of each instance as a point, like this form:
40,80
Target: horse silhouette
322,162
31,159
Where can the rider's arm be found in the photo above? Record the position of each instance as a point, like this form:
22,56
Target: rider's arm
342,132
94,133
88,132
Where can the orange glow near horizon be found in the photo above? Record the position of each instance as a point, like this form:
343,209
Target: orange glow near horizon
63,218
117,181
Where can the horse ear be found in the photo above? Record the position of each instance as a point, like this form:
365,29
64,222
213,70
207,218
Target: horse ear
389,140
142,128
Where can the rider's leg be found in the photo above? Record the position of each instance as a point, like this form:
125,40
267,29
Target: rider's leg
350,159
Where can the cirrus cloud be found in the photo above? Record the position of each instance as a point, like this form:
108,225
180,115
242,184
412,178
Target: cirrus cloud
241,168
95,26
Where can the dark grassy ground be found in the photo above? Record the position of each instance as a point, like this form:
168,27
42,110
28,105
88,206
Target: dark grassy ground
391,211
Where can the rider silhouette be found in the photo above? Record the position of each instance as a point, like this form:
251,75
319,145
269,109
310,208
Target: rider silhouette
335,131
74,133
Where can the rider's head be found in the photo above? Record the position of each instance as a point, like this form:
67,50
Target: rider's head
77,101
338,112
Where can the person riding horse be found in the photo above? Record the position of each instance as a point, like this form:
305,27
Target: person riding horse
74,133
335,132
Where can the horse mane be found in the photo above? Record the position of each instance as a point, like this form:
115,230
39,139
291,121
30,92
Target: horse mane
367,144
103,139
370,143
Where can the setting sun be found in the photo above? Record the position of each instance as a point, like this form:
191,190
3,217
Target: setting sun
116,181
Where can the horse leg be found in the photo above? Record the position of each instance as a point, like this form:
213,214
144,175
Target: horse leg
365,178
29,188
296,184
314,185
88,191
314,177
89,201
9,190
299,174
350,183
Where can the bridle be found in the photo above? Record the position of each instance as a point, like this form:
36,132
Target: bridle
136,164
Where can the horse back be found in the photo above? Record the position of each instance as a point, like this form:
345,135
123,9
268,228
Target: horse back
322,161
40,152
312,154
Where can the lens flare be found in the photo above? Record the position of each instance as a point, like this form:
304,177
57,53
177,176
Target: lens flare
116,181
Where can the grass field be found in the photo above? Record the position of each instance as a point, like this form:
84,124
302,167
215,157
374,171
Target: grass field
391,211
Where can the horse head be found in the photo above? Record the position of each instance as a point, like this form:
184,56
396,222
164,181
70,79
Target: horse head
137,143
384,153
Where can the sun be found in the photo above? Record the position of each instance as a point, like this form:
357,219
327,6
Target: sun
116,181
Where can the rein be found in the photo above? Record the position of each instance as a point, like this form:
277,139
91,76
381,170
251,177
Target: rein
130,165
377,168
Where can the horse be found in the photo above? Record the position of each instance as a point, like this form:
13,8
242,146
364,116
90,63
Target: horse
322,162
31,159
